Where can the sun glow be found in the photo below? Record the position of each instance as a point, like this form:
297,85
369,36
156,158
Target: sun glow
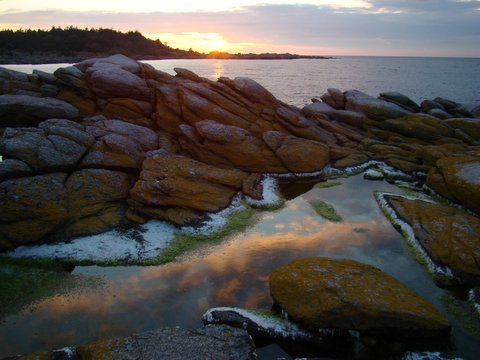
201,42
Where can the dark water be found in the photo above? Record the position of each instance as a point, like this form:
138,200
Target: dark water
297,81
233,273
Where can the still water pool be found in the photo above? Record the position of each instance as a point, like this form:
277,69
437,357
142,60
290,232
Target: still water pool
117,301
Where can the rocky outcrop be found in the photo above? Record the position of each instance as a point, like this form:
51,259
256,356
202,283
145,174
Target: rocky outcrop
448,235
124,110
345,294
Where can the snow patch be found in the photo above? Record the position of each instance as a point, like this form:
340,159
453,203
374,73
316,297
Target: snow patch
426,356
270,194
407,230
474,300
275,326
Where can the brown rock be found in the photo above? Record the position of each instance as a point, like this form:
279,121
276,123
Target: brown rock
31,208
297,154
449,235
461,177
469,126
345,294
419,126
96,200
169,180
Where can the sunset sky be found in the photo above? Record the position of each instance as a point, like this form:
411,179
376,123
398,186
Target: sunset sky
309,27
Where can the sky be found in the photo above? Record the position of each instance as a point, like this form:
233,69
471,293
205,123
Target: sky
307,27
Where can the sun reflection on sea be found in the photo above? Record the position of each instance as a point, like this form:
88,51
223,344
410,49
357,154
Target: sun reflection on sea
233,273
218,69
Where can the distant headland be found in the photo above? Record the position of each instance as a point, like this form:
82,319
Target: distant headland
71,45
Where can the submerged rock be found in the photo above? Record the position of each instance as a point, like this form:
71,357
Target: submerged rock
449,235
345,294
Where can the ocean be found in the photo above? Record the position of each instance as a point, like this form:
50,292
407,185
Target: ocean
296,82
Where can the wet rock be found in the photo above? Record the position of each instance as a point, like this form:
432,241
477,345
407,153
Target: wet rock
24,110
210,342
260,324
118,144
401,100
169,180
449,235
428,105
372,174
56,145
458,178
427,356
345,294
373,108
31,208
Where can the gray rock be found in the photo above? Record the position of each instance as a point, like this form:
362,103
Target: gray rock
118,144
11,168
345,116
49,90
71,76
260,324
208,343
334,98
426,355
439,113
428,105
46,78
400,99
24,110
447,104
57,145
373,108
9,74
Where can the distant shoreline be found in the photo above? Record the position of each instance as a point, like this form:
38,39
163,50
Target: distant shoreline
45,58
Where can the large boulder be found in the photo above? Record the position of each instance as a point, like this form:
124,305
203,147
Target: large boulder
373,108
345,294
458,178
118,144
56,145
31,208
449,235
169,180
401,100
467,125
25,110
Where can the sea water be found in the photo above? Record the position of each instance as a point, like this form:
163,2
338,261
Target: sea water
296,82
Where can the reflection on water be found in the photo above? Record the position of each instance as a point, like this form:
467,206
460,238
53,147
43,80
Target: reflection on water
218,69
233,273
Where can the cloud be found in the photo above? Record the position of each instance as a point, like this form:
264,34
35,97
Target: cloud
393,27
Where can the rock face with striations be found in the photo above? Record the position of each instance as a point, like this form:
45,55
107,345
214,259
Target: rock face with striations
345,294
113,115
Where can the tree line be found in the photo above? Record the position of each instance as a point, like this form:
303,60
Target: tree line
72,41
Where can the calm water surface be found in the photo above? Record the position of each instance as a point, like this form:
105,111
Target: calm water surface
233,273
297,81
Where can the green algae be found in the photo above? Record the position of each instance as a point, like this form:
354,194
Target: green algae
325,210
464,312
24,282
327,184
184,242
